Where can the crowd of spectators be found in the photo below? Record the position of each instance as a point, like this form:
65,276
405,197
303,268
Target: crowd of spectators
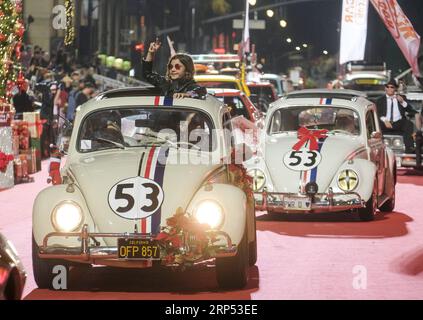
56,85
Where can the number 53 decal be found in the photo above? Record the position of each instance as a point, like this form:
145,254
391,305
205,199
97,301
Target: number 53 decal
302,160
135,198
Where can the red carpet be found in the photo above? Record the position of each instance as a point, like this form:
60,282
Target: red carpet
313,257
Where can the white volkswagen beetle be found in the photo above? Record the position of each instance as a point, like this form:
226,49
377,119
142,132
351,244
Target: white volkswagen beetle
137,193
322,151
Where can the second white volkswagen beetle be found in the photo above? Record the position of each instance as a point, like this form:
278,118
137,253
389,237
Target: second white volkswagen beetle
322,151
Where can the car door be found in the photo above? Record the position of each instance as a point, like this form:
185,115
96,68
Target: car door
376,145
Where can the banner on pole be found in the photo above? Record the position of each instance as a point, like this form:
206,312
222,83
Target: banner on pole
401,29
353,30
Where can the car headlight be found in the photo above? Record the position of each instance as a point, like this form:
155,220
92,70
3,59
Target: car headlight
67,216
397,143
387,142
259,179
209,212
348,180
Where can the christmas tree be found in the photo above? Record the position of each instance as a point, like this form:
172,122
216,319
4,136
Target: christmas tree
11,33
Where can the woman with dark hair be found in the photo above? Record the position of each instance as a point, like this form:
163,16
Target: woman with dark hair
179,80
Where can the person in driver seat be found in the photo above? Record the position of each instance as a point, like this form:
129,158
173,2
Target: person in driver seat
345,122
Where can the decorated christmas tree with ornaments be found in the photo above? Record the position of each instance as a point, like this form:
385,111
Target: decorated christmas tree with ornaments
11,34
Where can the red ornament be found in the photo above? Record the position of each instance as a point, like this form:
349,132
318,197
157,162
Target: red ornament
2,37
4,160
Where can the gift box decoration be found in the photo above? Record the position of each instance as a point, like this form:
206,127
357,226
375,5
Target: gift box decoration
20,129
35,124
7,113
36,144
30,157
6,158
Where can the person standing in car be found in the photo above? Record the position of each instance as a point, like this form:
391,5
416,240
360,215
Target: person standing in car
392,109
179,80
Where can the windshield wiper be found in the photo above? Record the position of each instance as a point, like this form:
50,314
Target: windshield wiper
117,144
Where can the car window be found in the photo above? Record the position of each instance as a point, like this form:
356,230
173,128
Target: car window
227,126
236,105
370,124
335,119
140,127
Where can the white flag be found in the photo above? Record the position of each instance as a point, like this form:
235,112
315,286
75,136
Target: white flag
401,29
353,30
172,49
246,35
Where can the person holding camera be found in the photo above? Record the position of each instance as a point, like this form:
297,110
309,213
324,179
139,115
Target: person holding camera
392,108
179,80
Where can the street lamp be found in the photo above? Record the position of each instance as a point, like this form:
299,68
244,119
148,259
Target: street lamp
297,48
289,40
325,52
270,13
283,23
252,2
305,45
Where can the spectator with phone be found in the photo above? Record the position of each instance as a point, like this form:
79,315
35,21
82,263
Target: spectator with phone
179,80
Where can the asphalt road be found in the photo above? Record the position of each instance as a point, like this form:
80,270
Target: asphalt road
299,257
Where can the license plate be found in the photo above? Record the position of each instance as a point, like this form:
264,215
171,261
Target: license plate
138,249
398,162
297,203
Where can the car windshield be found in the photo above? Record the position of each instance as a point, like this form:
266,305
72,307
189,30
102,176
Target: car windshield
335,119
141,127
365,84
265,91
236,105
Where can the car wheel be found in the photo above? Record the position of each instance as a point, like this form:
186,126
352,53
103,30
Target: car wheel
232,272
389,205
43,269
368,213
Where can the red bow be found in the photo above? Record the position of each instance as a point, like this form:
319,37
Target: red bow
4,160
309,135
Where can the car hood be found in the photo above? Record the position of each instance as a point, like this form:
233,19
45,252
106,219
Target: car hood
334,151
97,176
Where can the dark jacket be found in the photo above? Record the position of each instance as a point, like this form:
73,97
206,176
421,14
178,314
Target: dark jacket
381,106
169,87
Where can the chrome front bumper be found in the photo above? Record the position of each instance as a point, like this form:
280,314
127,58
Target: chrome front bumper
91,252
406,160
320,202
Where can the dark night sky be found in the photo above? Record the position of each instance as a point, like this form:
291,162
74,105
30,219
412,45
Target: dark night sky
317,23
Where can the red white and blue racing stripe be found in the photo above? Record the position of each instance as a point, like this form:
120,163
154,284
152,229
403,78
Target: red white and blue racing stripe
326,101
163,101
310,175
154,169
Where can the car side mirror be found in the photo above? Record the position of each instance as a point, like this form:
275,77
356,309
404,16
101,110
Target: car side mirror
376,135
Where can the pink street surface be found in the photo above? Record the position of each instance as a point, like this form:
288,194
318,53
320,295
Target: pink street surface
298,257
